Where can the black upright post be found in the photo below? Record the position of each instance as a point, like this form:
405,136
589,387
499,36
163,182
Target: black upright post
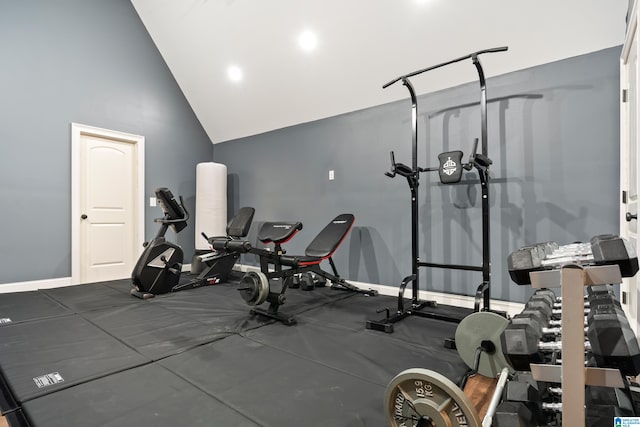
415,182
484,291
483,105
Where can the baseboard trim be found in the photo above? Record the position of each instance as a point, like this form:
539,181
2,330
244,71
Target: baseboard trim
34,285
511,308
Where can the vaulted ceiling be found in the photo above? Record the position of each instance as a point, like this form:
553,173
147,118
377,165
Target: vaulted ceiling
301,60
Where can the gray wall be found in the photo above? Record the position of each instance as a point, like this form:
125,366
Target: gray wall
90,62
553,138
553,134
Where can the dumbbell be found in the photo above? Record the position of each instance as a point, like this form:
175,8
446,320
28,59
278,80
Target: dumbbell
524,340
547,331
527,402
601,293
522,344
317,280
601,250
521,403
603,404
539,308
303,281
613,343
545,300
593,293
514,414
527,259
611,249
557,301
307,281
541,301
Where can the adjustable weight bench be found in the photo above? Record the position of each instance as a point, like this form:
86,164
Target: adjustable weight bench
323,247
258,287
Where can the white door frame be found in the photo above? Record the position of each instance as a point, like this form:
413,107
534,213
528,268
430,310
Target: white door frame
77,130
629,291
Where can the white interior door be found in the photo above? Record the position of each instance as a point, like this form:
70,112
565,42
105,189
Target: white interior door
108,211
630,160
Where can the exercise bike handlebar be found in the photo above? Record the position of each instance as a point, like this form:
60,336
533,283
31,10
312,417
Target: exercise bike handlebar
433,67
171,219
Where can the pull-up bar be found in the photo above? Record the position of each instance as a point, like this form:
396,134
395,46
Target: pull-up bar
453,61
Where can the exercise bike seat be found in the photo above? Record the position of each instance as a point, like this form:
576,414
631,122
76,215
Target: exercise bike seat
278,232
237,228
327,241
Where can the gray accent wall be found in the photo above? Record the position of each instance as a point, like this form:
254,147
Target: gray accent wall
90,62
553,139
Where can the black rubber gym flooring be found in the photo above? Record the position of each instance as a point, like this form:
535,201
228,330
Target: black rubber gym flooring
92,355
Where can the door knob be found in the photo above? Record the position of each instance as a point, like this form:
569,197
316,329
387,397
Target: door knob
84,216
629,216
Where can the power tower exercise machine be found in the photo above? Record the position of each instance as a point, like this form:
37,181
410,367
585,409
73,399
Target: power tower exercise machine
450,171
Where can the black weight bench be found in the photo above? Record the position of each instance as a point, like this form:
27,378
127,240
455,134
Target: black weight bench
258,287
323,247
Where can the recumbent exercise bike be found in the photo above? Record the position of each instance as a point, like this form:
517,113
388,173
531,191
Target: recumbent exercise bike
159,268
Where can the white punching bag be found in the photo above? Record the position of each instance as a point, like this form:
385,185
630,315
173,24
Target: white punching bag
211,202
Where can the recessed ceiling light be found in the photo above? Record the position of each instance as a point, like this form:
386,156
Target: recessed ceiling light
308,40
235,73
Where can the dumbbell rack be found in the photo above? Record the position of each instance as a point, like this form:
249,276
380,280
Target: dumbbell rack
572,373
